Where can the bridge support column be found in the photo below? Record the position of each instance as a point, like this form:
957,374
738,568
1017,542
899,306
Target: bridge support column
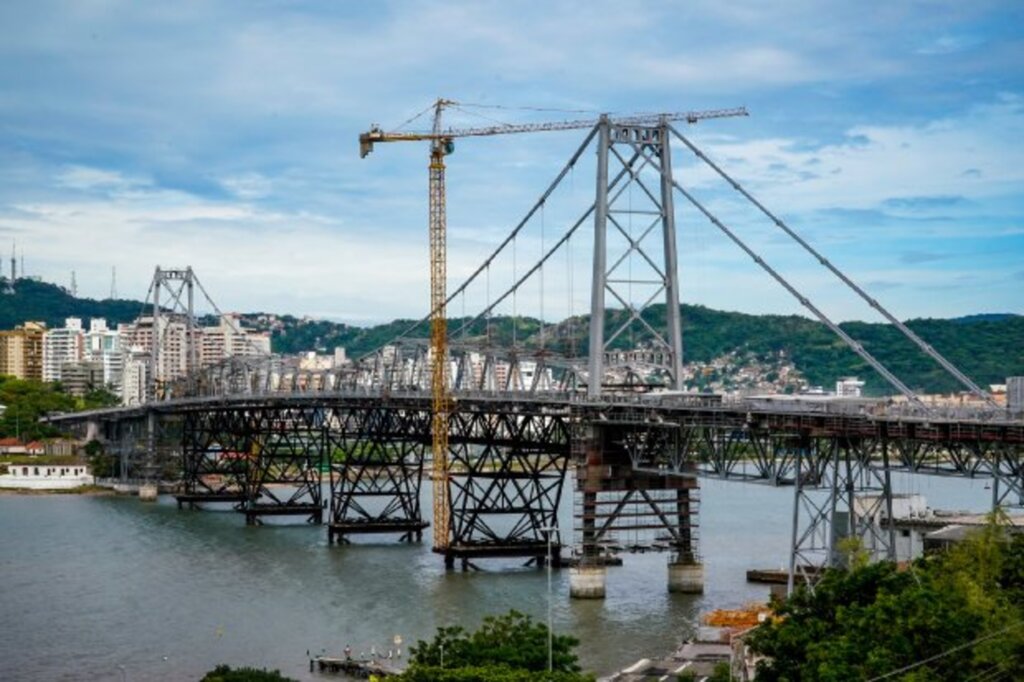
148,492
685,575
587,581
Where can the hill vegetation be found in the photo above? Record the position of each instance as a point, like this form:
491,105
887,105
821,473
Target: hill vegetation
988,347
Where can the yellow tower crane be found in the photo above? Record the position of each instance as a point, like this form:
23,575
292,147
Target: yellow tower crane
442,144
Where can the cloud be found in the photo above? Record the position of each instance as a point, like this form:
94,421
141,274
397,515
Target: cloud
88,178
910,167
920,257
915,203
224,135
950,44
248,185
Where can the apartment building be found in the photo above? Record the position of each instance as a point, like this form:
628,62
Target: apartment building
62,345
21,351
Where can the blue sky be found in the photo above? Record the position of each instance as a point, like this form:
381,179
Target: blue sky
224,135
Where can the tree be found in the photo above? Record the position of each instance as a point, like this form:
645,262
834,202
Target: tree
506,648
98,398
876,619
101,463
26,401
224,673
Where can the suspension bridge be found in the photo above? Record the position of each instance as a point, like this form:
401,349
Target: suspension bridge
519,415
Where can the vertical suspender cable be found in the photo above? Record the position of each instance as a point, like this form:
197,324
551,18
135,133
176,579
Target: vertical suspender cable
541,275
515,295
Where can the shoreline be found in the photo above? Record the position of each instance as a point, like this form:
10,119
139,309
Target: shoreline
86,490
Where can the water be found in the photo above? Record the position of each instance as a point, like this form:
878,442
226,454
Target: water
109,588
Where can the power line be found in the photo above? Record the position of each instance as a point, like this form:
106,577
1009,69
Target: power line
947,652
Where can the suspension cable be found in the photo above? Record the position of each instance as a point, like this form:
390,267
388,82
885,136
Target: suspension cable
515,231
778,222
804,301
569,307
515,290
565,237
541,280
854,345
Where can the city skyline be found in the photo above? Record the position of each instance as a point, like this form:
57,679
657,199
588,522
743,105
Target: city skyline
225,139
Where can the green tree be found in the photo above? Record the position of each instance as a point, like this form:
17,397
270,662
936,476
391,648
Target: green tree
100,462
224,673
875,619
505,648
26,401
98,398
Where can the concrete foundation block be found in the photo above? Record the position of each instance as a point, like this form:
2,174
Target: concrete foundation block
686,577
148,492
587,582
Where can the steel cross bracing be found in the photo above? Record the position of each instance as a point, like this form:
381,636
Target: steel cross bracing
376,471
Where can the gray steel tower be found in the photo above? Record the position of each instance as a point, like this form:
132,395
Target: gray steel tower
630,262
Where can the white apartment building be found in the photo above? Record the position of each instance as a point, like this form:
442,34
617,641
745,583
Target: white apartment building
849,387
228,339
61,345
173,334
211,345
104,345
134,376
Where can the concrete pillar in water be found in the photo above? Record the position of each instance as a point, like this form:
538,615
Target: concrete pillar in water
148,492
685,576
587,581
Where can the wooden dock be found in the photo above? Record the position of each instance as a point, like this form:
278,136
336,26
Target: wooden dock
361,668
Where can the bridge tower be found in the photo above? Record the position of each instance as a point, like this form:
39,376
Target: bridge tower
174,351
634,247
635,259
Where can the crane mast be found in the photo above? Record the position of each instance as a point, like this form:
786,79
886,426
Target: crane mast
440,145
441,401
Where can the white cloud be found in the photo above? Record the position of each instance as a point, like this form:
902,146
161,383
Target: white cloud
88,178
974,155
248,185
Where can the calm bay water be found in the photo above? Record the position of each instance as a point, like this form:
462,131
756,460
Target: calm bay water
110,588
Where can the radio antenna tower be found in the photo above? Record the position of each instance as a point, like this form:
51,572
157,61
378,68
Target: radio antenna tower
74,285
9,288
113,283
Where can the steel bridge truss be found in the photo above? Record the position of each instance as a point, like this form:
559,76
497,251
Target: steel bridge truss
507,471
265,461
376,471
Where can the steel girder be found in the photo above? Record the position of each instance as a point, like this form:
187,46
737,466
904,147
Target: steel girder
267,462
376,455
506,480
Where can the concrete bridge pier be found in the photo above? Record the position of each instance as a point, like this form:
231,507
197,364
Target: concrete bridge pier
587,581
148,492
685,575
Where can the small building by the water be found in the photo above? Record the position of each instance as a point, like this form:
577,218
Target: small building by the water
46,476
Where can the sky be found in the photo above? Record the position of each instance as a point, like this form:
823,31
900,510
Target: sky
223,135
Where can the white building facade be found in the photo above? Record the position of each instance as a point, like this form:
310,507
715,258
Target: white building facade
103,345
46,477
62,345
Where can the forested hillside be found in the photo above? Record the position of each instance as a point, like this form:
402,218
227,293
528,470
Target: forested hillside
988,347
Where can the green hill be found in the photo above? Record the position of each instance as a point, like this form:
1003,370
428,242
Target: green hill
988,347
